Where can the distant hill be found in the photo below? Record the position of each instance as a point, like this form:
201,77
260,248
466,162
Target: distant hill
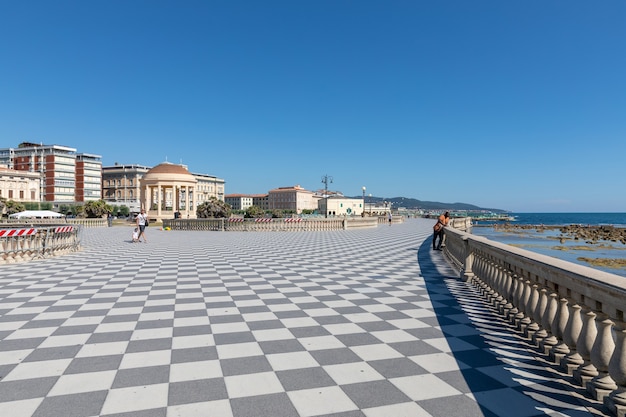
412,203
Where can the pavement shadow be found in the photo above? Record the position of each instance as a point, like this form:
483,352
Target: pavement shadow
498,365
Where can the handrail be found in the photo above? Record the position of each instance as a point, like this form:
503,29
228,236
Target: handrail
572,313
86,222
25,242
270,224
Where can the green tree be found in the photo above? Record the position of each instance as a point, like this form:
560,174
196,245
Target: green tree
78,210
11,207
213,208
123,211
95,209
64,209
254,212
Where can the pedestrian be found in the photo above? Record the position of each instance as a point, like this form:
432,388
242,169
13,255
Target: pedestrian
109,219
390,217
136,235
142,221
442,221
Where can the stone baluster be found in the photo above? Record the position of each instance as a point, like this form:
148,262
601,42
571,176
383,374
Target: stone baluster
533,300
601,352
561,349
497,297
521,293
468,260
548,323
509,291
587,371
572,359
540,312
616,401
488,290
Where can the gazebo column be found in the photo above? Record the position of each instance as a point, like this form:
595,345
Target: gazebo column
147,198
187,200
161,197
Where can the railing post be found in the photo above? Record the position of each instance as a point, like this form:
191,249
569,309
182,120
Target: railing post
572,360
561,349
602,385
585,372
466,270
548,323
616,401
540,313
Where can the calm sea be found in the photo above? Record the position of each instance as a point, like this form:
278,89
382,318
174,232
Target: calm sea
545,243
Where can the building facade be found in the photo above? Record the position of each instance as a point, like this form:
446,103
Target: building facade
341,206
66,177
207,186
20,186
88,177
293,199
120,185
239,201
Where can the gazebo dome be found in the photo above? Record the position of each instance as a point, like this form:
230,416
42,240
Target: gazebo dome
169,169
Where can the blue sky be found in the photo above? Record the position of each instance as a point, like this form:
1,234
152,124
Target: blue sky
513,105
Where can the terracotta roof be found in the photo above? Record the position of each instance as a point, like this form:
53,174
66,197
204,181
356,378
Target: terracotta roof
168,168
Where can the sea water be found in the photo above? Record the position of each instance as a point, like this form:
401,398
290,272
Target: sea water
548,243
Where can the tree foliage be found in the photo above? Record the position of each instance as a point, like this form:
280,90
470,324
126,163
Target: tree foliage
10,207
213,208
254,212
95,209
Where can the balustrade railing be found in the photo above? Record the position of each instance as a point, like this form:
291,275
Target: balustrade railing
25,242
572,313
270,224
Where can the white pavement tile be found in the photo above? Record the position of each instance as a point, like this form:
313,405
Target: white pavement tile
423,387
191,371
291,360
252,384
85,382
127,400
239,350
216,408
30,370
320,401
351,373
397,410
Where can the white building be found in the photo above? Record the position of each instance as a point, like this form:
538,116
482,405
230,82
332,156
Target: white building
19,186
341,206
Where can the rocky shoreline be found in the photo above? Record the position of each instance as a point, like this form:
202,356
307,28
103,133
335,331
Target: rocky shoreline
589,234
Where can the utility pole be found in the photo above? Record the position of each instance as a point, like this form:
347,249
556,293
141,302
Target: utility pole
325,180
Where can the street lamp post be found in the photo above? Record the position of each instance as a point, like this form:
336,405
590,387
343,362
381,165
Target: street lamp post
325,180
363,212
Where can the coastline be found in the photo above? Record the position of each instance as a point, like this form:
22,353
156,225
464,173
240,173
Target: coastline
589,240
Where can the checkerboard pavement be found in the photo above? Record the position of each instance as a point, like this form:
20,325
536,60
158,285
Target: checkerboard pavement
339,323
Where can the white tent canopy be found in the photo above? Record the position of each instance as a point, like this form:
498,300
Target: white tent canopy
35,214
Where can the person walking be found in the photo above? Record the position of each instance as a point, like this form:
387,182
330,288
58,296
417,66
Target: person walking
142,220
442,221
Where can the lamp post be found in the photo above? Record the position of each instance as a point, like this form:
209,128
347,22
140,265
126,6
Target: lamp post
325,180
363,212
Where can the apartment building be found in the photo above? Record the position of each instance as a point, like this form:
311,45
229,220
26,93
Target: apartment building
20,186
239,201
293,199
120,185
66,177
208,186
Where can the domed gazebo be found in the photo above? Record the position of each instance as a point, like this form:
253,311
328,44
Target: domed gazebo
166,189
